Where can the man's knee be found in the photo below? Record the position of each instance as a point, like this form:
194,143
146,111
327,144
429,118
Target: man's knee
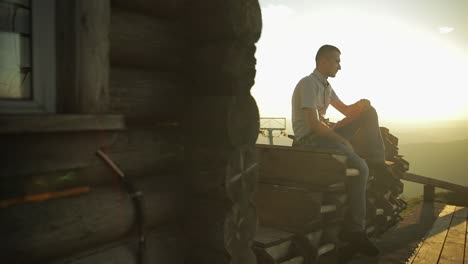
370,112
360,164
363,169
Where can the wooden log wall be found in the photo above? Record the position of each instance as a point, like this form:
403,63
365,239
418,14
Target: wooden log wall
38,227
147,53
180,74
59,202
221,126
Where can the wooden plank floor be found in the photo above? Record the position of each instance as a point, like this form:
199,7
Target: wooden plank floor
446,242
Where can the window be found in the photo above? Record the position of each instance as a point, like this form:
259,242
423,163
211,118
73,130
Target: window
27,56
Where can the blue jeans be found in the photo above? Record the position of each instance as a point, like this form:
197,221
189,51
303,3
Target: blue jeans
367,125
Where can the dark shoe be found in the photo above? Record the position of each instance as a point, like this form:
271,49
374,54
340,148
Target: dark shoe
360,242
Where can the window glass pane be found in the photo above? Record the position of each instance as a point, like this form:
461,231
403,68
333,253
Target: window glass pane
15,50
14,18
15,66
21,21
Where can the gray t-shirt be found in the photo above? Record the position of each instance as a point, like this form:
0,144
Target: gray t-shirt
312,92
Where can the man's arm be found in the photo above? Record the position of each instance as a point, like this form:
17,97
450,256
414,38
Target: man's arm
320,128
350,110
340,106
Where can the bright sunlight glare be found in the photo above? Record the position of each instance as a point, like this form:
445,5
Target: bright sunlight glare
408,73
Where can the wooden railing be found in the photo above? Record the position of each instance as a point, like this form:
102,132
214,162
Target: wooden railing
430,184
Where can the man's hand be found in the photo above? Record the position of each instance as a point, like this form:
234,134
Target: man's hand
357,108
352,111
321,128
362,105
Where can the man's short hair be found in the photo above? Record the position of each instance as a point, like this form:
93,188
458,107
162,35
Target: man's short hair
325,50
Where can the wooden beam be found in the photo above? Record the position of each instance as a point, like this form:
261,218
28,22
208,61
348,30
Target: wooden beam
301,149
437,183
326,248
221,68
59,123
266,236
97,174
287,208
171,10
93,27
67,90
47,152
42,231
142,151
209,20
429,193
141,41
221,121
137,92
279,251
83,55
299,167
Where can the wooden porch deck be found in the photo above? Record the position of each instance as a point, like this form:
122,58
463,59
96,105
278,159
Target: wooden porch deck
447,241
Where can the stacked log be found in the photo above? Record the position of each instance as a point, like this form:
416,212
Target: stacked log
301,201
275,246
290,200
221,126
386,186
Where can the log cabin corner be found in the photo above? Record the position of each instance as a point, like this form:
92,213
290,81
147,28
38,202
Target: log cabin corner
135,142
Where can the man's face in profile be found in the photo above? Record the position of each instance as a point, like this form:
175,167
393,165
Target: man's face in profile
333,63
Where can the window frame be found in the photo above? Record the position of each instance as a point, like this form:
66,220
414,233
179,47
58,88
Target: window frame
43,51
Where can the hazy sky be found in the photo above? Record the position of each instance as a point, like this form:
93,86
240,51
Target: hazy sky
409,57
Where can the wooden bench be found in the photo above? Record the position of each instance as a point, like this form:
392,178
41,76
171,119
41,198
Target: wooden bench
446,242
302,167
291,185
301,203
